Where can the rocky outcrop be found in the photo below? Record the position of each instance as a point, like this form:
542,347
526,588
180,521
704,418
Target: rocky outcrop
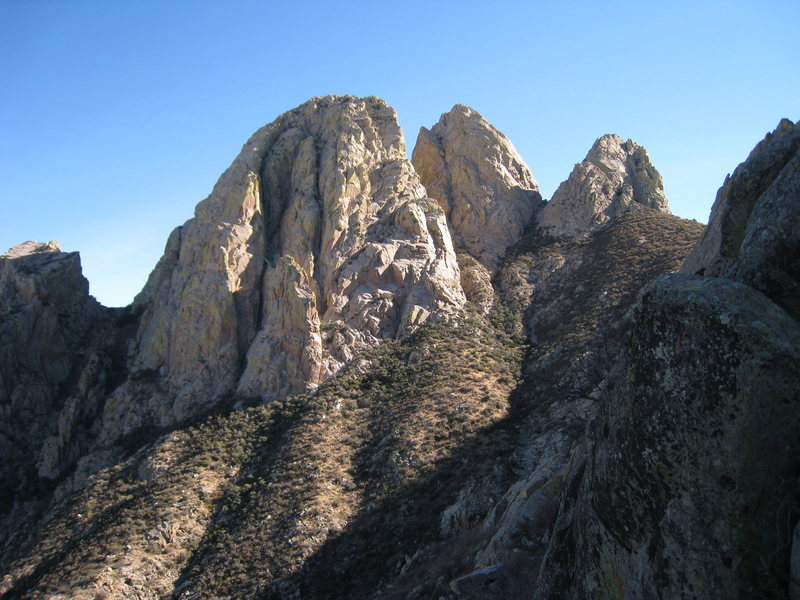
317,242
641,443
52,365
615,177
662,492
476,282
483,185
578,294
670,497
752,234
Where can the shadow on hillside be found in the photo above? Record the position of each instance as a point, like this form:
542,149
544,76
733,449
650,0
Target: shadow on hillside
384,542
377,545
393,544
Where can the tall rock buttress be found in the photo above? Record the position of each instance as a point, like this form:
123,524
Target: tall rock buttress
615,177
317,241
481,182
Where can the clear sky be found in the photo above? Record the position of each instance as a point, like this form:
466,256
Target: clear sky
117,117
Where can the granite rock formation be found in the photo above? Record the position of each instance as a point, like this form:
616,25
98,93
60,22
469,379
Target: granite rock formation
483,185
668,495
316,243
58,352
752,235
586,428
615,177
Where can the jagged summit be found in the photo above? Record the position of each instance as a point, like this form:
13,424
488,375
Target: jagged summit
615,177
318,241
485,188
49,332
587,432
30,247
41,271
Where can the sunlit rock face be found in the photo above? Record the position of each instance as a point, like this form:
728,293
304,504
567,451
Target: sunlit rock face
615,177
482,184
318,241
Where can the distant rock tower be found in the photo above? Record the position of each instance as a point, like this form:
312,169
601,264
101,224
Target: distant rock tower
615,177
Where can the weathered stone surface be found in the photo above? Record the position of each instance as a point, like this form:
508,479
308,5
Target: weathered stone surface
615,177
483,185
528,510
675,500
317,242
479,584
664,470
669,495
476,282
51,381
794,565
752,234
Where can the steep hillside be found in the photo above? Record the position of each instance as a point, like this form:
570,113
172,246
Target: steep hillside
686,484
299,493
321,394
573,297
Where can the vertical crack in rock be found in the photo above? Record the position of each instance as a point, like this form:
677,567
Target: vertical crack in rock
317,242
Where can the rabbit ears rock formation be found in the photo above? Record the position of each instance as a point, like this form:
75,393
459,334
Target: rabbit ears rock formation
321,239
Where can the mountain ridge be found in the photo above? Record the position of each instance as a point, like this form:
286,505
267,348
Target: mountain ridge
444,401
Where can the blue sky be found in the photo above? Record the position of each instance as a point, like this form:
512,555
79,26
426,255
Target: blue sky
116,118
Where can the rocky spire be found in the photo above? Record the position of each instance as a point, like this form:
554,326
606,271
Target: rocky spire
317,241
483,185
615,177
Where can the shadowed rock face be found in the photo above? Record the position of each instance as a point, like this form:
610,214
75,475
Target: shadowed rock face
615,177
317,242
686,485
52,367
482,184
672,496
752,234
